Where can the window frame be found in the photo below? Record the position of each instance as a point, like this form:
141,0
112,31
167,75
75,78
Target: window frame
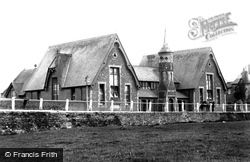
201,87
218,88
101,103
207,86
56,95
130,92
73,93
119,83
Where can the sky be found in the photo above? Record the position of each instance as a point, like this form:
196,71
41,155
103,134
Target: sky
28,28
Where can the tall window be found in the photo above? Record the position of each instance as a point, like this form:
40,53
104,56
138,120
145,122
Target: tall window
55,89
73,93
102,94
114,82
209,84
218,96
201,94
127,94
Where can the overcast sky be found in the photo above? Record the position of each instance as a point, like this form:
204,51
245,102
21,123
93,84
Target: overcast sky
28,27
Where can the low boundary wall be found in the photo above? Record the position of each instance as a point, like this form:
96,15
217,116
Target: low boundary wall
14,122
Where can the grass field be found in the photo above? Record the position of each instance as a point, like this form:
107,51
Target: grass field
174,142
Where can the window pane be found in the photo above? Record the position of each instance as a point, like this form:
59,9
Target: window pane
116,80
201,94
114,92
218,96
209,86
127,93
102,94
210,94
55,89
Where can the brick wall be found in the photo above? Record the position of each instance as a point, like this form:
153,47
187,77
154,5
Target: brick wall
126,77
211,68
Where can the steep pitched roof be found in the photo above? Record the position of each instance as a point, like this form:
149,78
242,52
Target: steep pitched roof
85,58
19,82
188,65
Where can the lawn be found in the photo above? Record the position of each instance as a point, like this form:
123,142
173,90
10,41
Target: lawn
173,142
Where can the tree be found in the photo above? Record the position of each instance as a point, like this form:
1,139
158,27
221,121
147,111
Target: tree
241,89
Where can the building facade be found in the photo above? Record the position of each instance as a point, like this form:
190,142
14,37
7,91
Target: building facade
98,70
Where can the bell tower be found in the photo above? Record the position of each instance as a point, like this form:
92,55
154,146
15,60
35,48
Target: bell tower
166,90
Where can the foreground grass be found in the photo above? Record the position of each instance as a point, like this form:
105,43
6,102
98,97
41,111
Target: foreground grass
173,142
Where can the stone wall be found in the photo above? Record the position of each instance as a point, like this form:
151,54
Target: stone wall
21,122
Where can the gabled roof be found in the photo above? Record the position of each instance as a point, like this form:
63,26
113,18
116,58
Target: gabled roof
19,82
188,65
86,58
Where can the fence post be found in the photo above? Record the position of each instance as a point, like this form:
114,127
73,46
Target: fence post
131,105
235,107
90,105
112,105
246,107
150,106
166,107
41,104
198,107
13,103
223,107
67,105
182,106
210,107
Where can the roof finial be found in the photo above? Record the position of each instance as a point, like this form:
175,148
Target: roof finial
164,48
164,42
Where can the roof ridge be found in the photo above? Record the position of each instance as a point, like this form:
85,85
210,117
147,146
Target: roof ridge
185,50
193,49
80,41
